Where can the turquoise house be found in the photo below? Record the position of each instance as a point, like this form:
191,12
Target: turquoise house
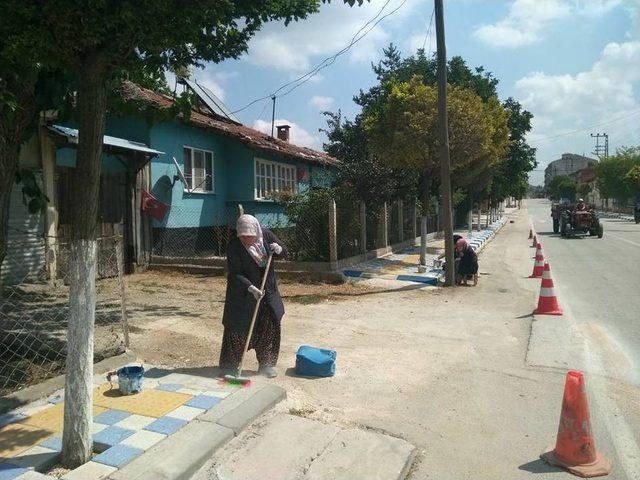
209,165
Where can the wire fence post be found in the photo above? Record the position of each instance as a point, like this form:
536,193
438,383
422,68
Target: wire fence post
400,221
123,293
333,233
385,226
414,219
363,227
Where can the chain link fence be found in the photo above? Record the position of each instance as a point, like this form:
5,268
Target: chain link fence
34,307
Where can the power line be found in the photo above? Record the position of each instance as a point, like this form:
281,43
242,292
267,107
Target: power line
373,22
585,128
428,34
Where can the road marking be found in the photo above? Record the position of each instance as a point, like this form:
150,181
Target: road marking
623,239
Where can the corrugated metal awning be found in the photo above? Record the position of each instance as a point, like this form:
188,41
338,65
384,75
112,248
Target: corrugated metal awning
72,135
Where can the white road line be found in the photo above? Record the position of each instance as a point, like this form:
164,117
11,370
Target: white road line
623,239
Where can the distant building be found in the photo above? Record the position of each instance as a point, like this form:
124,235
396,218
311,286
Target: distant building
569,164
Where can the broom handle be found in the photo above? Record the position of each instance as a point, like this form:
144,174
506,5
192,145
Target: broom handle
255,313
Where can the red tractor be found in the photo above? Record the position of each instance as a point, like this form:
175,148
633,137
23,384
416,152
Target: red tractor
580,220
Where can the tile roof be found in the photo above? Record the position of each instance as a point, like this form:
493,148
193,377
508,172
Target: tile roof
251,138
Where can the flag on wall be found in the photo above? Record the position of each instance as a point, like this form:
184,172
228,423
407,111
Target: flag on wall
152,206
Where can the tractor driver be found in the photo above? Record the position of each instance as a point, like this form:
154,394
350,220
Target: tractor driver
581,205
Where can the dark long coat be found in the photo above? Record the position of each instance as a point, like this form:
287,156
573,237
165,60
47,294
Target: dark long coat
242,272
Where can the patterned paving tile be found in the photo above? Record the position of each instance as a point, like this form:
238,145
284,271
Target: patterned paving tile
190,391
169,387
186,413
52,443
90,471
11,417
136,422
111,436
9,471
111,417
166,425
217,393
151,403
52,418
144,439
203,401
118,456
38,458
17,437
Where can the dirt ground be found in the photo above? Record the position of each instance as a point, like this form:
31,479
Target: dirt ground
175,318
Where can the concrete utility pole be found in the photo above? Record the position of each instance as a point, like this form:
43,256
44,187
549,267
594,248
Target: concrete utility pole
601,151
445,162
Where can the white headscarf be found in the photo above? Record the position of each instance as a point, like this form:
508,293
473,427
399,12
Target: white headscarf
248,225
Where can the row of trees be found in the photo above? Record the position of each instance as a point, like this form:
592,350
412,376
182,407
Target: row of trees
73,54
394,139
618,176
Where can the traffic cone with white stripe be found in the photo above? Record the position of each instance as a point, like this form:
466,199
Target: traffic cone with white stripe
535,241
547,301
538,264
530,233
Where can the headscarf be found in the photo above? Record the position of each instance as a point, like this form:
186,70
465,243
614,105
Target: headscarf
461,245
248,225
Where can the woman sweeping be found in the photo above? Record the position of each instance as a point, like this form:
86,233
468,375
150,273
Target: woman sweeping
247,256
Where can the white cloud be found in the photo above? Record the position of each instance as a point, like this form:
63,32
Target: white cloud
297,47
564,103
297,135
215,81
320,102
527,20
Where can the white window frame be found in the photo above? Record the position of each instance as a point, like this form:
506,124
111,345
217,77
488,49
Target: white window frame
277,177
199,186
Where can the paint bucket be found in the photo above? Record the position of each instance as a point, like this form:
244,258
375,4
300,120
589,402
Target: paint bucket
129,379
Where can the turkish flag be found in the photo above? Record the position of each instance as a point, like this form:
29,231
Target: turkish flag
152,206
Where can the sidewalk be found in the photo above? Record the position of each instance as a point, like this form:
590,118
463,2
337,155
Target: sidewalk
403,266
166,431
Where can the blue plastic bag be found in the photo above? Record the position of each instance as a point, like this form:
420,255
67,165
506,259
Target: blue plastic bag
315,362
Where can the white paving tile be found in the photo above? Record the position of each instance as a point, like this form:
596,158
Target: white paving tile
185,413
36,457
143,439
97,427
217,393
135,422
190,391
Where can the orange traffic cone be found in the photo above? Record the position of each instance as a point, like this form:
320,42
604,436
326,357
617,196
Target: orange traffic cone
535,241
538,264
547,301
530,233
575,448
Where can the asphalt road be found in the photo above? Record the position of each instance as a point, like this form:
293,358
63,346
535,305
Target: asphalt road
596,282
599,280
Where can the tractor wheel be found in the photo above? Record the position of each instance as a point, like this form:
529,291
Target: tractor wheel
556,225
600,231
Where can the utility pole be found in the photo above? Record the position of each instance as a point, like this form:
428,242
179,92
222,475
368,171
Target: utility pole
601,151
443,134
273,114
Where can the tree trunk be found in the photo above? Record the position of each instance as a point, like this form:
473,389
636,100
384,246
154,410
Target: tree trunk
424,219
8,168
78,417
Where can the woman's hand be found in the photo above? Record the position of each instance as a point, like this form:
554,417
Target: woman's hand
275,248
256,292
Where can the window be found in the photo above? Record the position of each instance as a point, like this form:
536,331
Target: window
273,177
198,169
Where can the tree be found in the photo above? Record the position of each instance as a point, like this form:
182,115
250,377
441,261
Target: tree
562,186
102,43
584,189
611,171
632,179
403,132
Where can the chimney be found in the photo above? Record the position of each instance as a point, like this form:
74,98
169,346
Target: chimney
283,132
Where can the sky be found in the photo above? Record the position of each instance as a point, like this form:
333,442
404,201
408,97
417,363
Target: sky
575,64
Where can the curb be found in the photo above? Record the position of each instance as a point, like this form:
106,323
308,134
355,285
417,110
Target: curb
180,456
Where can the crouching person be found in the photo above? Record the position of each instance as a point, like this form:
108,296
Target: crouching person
467,264
247,256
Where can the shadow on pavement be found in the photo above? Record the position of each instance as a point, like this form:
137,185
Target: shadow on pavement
539,466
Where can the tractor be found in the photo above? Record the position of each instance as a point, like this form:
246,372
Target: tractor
575,221
556,214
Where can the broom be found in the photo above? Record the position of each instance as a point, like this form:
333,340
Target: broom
239,379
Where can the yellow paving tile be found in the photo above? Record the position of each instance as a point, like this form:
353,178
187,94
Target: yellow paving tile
151,403
52,418
16,438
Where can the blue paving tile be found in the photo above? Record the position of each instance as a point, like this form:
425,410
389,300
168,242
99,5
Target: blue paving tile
56,400
9,471
111,436
166,425
54,443
418,279
351,273
111,416
8,418
169,387
118,456
203,401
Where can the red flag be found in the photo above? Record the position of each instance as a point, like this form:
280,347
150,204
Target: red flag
152,206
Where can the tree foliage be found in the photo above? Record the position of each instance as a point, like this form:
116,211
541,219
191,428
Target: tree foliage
562,186
611,174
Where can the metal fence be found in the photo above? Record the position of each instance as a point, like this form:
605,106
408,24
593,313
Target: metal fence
34,308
